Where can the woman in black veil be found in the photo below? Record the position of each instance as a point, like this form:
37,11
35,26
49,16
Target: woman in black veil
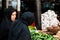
9,17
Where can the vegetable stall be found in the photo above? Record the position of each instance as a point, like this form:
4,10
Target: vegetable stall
36,35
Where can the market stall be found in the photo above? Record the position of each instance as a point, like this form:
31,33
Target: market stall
50,27
41,35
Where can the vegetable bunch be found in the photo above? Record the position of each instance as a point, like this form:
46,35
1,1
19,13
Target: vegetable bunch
35,35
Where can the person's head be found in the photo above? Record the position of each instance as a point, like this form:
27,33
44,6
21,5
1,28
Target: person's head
28,17
11,14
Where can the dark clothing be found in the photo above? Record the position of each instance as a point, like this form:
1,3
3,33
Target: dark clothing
6,24
19,31
4,29
28,18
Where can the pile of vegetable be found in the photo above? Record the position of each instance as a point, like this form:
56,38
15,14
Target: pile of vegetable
35,35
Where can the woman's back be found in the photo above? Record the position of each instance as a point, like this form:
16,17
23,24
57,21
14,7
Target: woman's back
19,31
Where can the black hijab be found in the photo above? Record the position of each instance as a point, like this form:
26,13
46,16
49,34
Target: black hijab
28,18
6,24
8,12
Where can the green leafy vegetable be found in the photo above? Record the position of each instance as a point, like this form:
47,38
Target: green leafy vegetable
35,35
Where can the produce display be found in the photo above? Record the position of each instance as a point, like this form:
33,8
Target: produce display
35,35
49,19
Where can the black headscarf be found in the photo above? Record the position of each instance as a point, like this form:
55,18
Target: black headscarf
8,12
6,24
28,18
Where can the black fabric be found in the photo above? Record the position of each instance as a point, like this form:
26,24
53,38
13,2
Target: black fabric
19,31
8,12
28,18
5,24
4,29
